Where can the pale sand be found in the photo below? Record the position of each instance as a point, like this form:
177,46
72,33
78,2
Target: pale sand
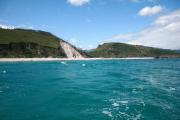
62,59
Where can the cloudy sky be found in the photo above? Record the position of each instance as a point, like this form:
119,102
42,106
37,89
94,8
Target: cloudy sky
87,23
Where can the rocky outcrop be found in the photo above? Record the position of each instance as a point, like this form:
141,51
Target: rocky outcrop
70,51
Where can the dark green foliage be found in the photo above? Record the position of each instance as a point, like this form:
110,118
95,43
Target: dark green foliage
24,50
118,50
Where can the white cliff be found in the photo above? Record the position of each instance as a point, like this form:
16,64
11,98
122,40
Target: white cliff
70,51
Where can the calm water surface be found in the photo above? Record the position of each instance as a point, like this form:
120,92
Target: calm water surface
90,90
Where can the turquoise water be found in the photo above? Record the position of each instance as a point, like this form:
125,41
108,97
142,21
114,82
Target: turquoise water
90,90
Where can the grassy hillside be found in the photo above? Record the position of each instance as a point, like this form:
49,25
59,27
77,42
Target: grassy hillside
33,43
22,43
29,43
114,50
42,38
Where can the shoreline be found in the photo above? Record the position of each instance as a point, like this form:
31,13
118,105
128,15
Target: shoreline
67,59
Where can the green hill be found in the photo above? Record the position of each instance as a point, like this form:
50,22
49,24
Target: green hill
32,36
118,50
22,43
30,43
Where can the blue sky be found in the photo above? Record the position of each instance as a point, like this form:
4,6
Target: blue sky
87,23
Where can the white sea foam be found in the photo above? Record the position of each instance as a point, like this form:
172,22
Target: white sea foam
137,117
172,89
111,100
141,87
115,104
127,108
83,65
143,103
134,91
123,102
152,80
4,71
122,113
120,109
64,63
107,113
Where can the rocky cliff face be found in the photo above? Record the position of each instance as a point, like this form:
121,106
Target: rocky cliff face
70,51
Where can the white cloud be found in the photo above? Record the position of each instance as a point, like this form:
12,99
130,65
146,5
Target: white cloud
164,32
23,26
78,2
148,11
6,26
137,1
73,40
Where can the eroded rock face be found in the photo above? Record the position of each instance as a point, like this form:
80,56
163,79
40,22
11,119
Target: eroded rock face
70,51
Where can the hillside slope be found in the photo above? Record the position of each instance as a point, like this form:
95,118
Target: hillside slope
32,43
117,50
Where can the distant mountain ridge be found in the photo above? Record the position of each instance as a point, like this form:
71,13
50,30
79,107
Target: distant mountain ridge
118,50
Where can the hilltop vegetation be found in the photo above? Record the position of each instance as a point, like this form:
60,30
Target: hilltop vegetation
42,38
22,43
34,43
117,50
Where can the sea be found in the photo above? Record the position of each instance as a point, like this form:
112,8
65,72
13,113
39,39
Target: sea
145,89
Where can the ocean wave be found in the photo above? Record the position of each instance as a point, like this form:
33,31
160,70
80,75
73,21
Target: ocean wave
124,109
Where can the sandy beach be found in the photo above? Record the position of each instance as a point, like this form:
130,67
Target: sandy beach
65,59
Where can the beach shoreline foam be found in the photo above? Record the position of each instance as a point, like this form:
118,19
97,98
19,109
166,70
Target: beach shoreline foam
65,59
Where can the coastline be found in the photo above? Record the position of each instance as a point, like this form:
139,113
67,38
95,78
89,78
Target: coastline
66,59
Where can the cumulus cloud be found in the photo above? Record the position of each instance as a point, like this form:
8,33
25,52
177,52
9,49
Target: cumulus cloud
148,11
164,32
78,2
